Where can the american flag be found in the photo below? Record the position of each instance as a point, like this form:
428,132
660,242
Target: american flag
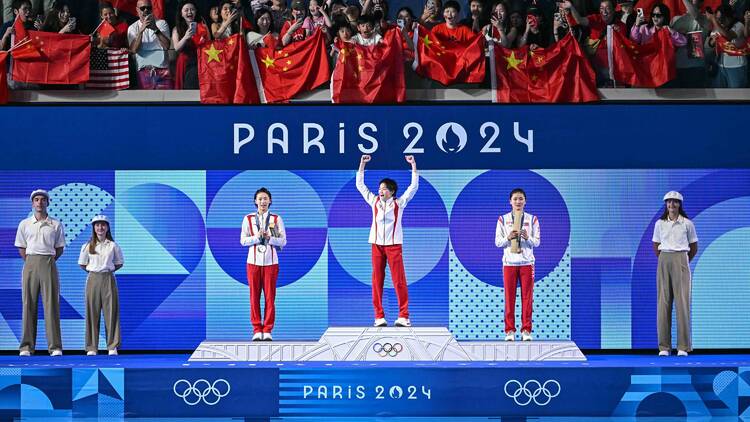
109,69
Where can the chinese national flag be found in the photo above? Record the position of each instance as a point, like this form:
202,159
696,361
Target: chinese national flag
298,67
106,29
23,47
63,59
3,78
448,62
676,7
225,74
646,65
373,74
201,35
723,46
559,73
129,6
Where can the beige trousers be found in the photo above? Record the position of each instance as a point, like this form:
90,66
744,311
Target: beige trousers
673,285
102,296
40,276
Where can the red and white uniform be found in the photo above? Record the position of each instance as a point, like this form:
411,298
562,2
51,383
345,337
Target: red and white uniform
386,226
386,237
518,266
262,266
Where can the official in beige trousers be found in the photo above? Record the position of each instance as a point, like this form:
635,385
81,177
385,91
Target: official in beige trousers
101,257
675,245
40,240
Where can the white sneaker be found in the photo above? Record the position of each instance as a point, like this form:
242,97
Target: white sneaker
510,336
526,336
682,353
380,322
258,336
112,352
56,352
24,353
664,353
402,322
91,353
267,337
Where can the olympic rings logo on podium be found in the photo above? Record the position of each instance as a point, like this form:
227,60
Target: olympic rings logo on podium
532,390
201,391
387,349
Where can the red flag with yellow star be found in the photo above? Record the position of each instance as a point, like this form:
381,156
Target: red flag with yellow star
646,65
373,74
224,72
298,67
448,61
62,59
724,46
23,47
3,78
557,74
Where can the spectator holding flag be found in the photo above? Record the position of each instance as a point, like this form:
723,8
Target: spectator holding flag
111,32
264,37
450,30
727,37
642,32
149,41
187,34
22,12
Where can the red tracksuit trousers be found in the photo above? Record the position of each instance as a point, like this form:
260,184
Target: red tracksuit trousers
393,255
511,275
262,278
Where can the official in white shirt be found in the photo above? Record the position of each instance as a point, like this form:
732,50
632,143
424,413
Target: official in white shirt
675,245
40,240
264,233
101,257
386,238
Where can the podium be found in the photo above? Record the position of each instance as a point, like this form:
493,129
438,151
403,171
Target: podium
387,344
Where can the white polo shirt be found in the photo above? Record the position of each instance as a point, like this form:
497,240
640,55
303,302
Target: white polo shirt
151,53
108,254
505,226
387,215
249,237
674,236
40,237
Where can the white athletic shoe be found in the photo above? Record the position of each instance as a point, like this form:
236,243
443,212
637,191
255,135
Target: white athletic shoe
24,353
112,352
380,322
267,337
402,322
664,353
526,336
682,353
91,353
510,336
56,352
258,336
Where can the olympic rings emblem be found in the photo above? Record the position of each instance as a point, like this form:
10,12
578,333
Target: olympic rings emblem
387,349
532,390
201,391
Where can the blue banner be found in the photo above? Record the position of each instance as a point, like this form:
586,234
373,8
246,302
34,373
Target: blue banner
328,137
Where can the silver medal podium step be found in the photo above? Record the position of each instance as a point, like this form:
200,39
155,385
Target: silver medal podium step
388,344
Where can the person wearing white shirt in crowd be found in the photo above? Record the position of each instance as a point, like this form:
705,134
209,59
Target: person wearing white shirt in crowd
675,245
148,39
518,265
264,233
40,240
100,257
387,237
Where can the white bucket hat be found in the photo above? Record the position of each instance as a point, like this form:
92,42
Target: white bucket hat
673,194
39,192
100,217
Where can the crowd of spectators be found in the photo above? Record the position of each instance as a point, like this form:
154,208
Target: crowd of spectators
165,59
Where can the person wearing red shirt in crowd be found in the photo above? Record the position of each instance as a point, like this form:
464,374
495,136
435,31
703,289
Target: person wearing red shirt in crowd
186,26
292,30
596,45
117,39
450,30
